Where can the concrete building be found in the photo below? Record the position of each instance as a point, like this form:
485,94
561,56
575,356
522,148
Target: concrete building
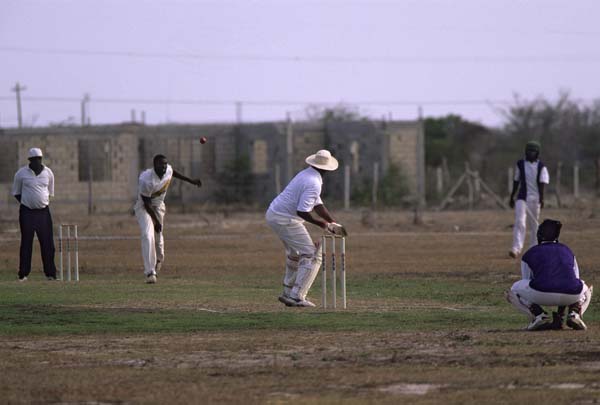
96,167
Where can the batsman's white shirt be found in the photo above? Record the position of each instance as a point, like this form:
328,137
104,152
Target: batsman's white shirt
302,194
35,190
154,187
531,171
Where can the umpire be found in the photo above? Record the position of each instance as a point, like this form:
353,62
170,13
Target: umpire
32,187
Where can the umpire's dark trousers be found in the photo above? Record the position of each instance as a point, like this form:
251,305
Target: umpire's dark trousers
38,221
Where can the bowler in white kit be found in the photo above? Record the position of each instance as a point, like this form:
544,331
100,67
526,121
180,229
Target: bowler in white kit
150,211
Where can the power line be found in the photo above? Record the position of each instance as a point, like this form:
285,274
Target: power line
162,101
112,100
373,59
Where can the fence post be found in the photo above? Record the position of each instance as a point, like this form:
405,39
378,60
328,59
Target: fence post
576,180
557,188
439,184
277,179
346,187
375,189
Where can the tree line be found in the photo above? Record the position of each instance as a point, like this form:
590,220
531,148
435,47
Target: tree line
568,131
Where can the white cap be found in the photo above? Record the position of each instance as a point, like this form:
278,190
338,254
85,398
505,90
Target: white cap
322,160
35,152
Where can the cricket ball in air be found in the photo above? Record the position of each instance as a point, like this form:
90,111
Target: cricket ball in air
203,139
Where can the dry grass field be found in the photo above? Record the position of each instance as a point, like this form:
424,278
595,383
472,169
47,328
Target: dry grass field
426,321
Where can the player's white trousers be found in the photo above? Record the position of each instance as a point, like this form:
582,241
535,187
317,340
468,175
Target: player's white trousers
526,216
303,258
528,296
152,243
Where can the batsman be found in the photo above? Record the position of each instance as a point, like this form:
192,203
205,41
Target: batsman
286,215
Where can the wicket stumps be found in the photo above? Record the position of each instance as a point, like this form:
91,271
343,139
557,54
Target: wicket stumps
70,244
333,239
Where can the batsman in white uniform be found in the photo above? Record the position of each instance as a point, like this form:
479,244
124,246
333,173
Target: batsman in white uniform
531,175
286,216
150,211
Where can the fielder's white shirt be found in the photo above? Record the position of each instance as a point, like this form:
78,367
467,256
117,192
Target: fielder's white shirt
35,190
302,194
150,185
531,170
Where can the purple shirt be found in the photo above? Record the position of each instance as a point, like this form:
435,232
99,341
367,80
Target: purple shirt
553,269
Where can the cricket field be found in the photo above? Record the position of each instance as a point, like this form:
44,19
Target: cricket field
426,323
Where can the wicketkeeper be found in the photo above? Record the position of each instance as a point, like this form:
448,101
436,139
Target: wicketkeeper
550,277
286,216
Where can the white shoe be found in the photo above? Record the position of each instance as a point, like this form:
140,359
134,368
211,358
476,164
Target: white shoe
539,322
158,266
574,321
22,279
151,279
287,300
303,303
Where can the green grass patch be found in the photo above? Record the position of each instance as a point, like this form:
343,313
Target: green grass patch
55,320
177,305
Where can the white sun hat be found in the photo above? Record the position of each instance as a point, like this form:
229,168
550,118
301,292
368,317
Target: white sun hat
35,152
322,160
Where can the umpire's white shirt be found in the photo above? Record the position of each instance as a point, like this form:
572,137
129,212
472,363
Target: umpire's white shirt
531,171
35,190
154,187
302,194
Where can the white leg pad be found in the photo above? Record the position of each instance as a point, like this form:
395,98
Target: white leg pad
587,298
308,269
291,271
518,303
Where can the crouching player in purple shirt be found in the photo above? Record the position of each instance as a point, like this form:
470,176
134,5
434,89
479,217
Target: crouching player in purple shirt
550,277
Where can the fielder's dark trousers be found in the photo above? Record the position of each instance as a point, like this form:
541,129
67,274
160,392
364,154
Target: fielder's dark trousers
38,222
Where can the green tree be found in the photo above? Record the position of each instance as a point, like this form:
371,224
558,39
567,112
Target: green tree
236,182
393,187
392,190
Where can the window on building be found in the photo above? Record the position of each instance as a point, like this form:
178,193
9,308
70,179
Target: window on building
259,157
94,160
197,159
9,164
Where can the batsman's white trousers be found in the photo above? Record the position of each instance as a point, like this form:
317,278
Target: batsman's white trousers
153,248
528,296
303,258
523,217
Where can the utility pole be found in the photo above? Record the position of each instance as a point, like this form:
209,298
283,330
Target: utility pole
84,101
420,203
289,148
238,112
18,89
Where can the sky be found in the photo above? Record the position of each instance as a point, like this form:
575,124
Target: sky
197,61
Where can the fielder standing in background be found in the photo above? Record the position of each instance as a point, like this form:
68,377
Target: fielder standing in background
32,187
530,177
150,212
286,216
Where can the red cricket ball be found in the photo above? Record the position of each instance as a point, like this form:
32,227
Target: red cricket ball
203,139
